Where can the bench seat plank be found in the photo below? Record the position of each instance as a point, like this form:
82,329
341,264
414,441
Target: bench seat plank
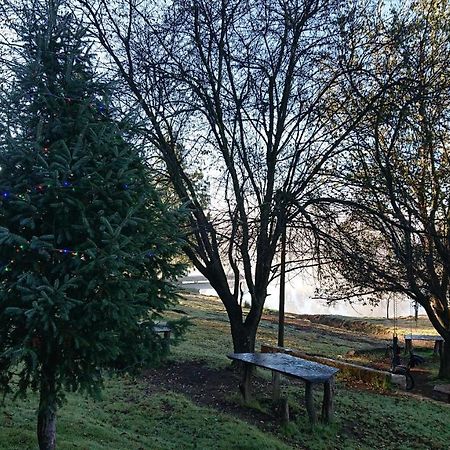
288,365
423,337
438,341
161,329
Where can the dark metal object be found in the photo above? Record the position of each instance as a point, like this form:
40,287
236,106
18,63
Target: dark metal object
282,290
405,369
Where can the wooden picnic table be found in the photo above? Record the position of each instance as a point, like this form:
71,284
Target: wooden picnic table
308,371
438,340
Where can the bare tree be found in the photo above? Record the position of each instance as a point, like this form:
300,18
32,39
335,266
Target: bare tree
238,86
391,231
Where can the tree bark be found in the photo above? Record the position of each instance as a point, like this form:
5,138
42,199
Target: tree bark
444,369
243,335
245,386
243,331
46,424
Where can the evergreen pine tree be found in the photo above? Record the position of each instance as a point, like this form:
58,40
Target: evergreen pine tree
85,242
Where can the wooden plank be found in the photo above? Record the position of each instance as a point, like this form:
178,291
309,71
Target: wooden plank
162,329
423,337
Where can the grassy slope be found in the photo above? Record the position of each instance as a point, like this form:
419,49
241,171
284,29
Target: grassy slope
364,419
129,417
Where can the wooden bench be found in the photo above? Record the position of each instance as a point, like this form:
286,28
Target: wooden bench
310,372
438,340
165,331
441,392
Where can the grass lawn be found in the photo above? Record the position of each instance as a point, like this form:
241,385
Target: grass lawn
193,401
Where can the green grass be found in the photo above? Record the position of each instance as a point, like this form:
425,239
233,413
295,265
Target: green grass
382,421
131,416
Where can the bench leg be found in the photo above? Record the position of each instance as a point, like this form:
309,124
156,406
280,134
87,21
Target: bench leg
309,400
408,345
281,404
327,406
437,348
166,341
275,386
284,406
245,385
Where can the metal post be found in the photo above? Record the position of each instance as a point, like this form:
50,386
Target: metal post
282,289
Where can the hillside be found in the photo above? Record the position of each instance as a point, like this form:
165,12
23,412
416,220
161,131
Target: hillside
193,401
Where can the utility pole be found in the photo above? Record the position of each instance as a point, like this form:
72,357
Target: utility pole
282,288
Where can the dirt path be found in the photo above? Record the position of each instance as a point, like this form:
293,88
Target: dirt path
216,388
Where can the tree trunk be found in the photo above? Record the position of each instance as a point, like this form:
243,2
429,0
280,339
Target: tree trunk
444,369
46,425
244,337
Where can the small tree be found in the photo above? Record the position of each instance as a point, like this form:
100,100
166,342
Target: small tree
85,241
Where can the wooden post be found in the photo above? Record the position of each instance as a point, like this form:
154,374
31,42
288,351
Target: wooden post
284,405
309,400
275,387
408,345
437,348
327,406
282,289
166,342
245,385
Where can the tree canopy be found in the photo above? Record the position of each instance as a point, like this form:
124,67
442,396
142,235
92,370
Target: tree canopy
389,232
239,87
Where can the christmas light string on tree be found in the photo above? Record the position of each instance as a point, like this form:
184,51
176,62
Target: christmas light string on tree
40,187
93,102
65,251
87,247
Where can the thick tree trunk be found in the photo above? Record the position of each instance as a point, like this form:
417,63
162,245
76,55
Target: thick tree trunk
444,369
46,424
439,320
244,337
243,333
